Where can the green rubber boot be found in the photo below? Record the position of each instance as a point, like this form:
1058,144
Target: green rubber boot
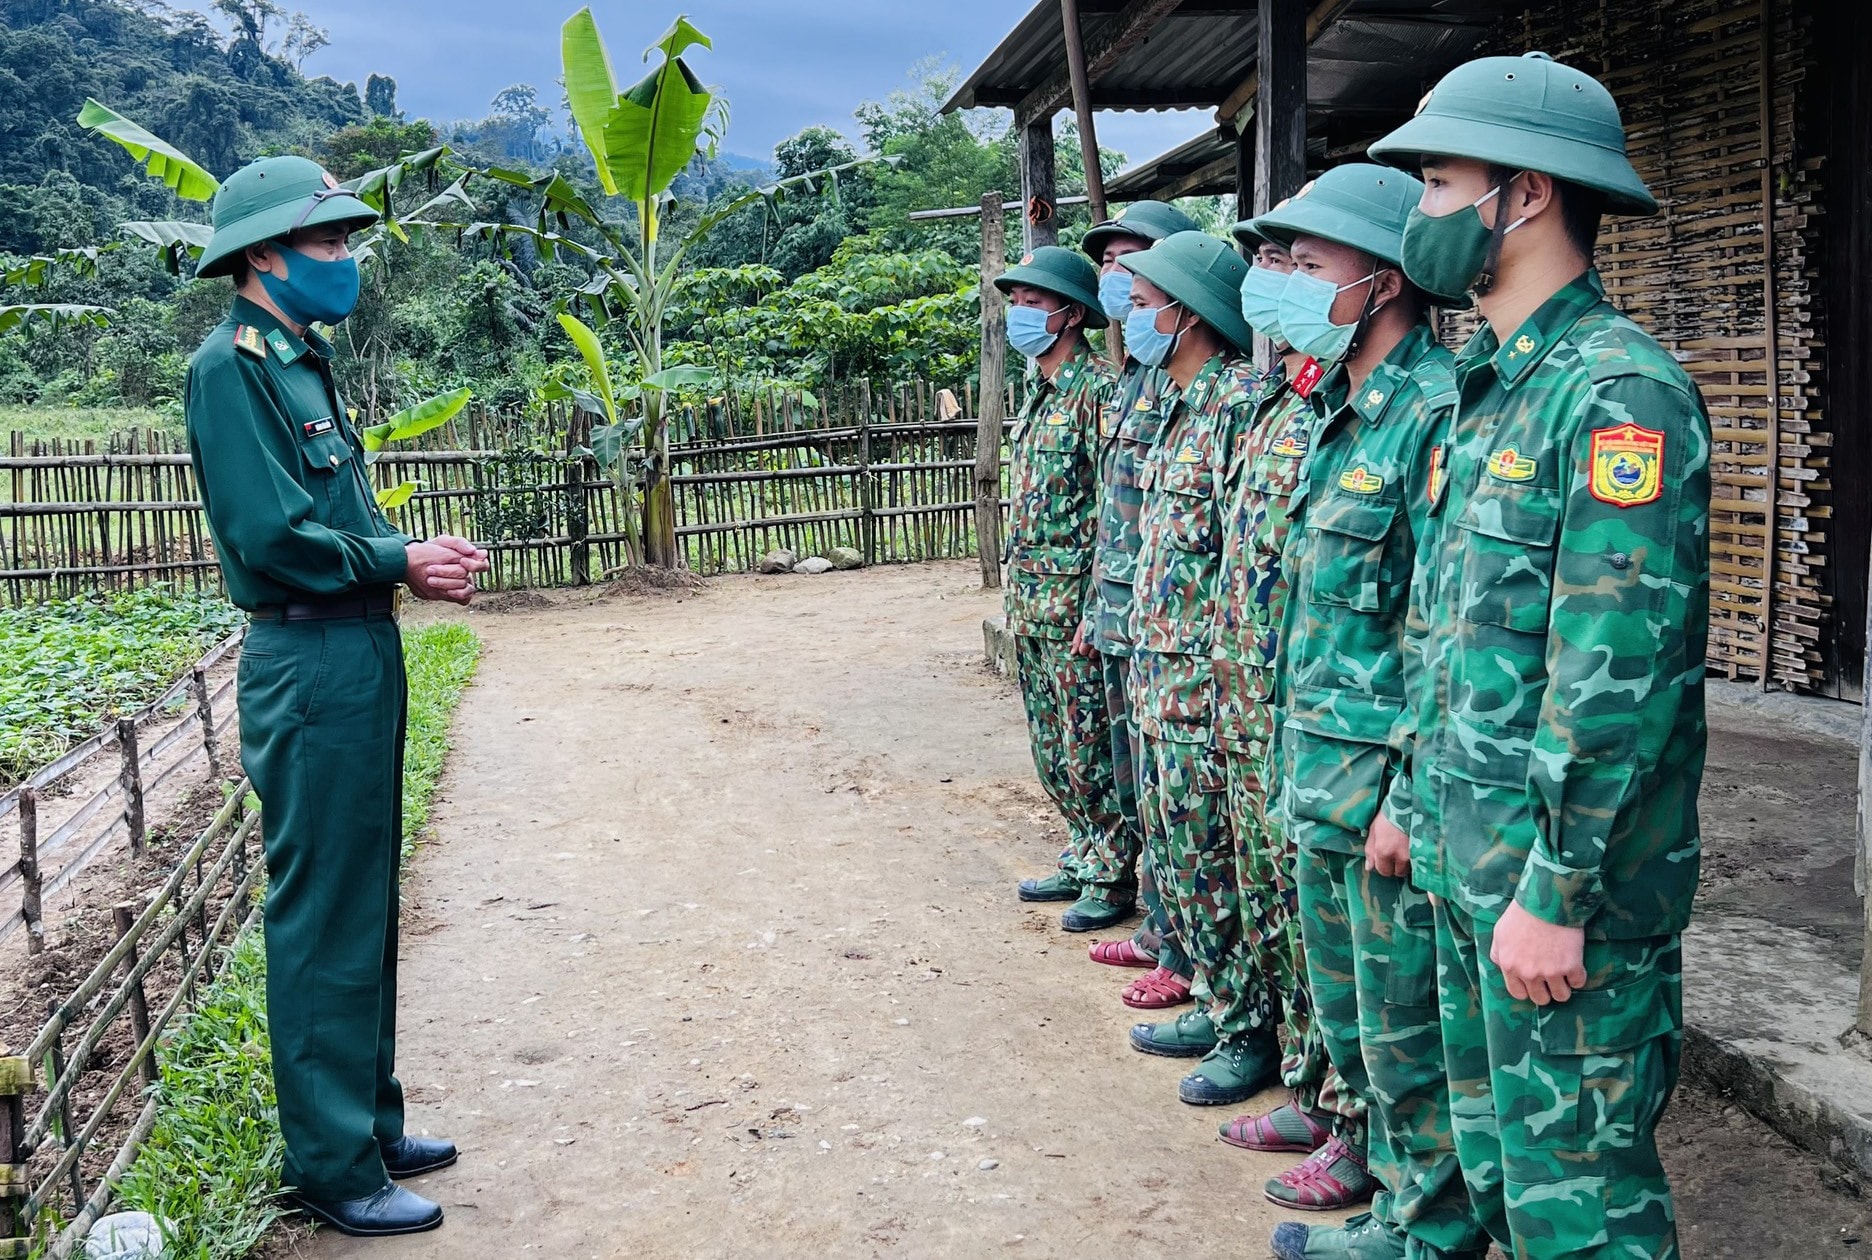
1189,1036
1096,909
1235,1071
1058,886
1363,1237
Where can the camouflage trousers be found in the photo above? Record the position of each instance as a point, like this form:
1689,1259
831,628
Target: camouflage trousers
1270,971
1371,954
1192,854
1555,1108
1127,755
1070,730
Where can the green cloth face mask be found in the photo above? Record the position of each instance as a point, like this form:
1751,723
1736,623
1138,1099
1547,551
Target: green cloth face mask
1448,253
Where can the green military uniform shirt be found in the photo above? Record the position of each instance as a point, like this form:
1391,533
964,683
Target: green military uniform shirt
1180,552
1376,460
1128,433
280,468
1053,522
1266,467
1560,616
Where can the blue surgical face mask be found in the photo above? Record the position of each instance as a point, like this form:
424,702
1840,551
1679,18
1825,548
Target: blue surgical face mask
1027,330
314,291
1306,316
1142,340
1260,300
1115,293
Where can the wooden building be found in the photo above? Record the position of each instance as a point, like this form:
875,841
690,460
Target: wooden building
1750,119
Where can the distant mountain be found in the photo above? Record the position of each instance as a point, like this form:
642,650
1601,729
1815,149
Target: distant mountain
761,168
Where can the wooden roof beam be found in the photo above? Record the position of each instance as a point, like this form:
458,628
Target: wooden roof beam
1117,37
1229,112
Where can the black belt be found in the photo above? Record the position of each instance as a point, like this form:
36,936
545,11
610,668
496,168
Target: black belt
367,605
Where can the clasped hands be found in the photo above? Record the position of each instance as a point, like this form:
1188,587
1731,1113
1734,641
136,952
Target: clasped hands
444,568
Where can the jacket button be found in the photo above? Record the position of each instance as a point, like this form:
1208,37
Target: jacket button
1620,560
334,460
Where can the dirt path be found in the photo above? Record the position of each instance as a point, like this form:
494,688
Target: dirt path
716,955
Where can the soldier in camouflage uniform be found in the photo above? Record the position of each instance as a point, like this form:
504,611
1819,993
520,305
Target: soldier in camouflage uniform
1560,617
1128,432
1370,954
1051,527
1187,317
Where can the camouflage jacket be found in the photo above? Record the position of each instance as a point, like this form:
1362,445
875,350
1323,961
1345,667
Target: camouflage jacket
1054,513
1128,433
1180,550
1377,457
1265,469
1559,615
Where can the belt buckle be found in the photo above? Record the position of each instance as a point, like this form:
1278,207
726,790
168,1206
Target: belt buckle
396,604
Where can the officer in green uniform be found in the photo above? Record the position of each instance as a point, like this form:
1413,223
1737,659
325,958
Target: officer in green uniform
1370,954
1128,432
1186,317
1052,528
304,549
1560,618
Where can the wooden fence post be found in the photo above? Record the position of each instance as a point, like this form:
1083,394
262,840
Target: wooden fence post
31,881
867,499
130,779
204,709
123,916
68,1129
15,1080
993,372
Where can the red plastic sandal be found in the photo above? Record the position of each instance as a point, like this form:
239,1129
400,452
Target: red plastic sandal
1123,953
1286,1128
1331,1178
1155,990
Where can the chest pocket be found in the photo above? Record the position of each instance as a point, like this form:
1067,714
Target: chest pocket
1348,537
332,480
1189,498
1508,564
1054,450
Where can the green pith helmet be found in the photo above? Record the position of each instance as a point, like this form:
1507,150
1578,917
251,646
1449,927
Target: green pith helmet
1057,270
1204,275
1529,113
1149,221
270,198
1360,204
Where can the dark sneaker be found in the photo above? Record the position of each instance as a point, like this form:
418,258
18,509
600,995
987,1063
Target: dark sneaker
1058,886
1189,1036
1363,1237
1092,912
1235,1071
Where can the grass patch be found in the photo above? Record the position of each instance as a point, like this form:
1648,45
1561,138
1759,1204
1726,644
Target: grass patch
69,665
212,1165
95,424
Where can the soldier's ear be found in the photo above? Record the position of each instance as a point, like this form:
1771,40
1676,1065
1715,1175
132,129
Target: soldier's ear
1388,285
262,257
1535,194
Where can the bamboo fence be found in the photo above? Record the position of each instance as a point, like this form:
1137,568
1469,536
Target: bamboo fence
885,471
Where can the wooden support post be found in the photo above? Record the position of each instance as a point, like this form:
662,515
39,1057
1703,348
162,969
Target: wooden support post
993,392
867,497
32,881
204,709
1245,179
1771,350
15,1080
1039,185
68,1130
1862,867
130,779
1280,116
123,915
1082,107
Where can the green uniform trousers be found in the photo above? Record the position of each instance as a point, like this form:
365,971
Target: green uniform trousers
1555,1108
1269,973
323,706
1127,754
1371,956
1070,730
1186,829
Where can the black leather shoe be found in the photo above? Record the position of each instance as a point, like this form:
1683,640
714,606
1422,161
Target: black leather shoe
392,1210
414,1156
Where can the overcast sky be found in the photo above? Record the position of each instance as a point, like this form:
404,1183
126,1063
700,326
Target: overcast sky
784,64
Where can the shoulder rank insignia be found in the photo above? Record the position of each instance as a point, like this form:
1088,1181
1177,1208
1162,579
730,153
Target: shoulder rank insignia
248,338
1508,464
1056,418
1189,455
1360,480
1627,466
1439,470
1291,445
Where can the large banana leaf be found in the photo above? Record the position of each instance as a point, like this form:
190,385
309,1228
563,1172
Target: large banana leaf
651,134
177,240
414,421
591,87
161,159
396,496
588,345
53,313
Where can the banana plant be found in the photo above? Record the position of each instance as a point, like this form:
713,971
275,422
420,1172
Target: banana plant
412,421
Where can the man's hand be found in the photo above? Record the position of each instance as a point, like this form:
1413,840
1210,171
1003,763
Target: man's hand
474,559
1387,848
436,571
1540,962
1082,644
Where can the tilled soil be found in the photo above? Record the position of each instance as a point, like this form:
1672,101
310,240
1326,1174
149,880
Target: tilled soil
718,955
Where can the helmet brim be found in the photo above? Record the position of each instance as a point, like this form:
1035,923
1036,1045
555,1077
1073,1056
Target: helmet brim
225,247
1524,149
1220,311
